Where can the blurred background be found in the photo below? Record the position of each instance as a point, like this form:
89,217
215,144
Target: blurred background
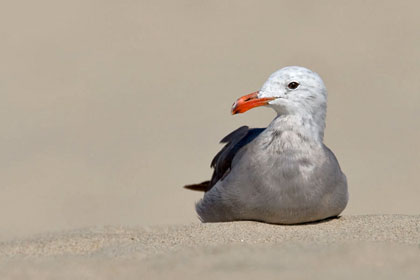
109,107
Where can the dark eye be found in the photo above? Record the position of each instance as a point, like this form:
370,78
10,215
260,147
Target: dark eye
293,85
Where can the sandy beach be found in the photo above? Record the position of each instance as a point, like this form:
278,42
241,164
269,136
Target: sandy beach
108,108
351,247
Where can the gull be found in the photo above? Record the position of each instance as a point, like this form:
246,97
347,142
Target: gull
281,174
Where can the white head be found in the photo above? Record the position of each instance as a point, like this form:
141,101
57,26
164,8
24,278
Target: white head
291,90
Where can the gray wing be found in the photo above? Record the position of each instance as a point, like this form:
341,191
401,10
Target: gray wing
234,142
222,162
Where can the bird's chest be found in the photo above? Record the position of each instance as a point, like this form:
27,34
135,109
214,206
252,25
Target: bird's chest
287,160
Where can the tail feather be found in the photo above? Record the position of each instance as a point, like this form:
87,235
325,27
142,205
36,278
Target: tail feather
202,187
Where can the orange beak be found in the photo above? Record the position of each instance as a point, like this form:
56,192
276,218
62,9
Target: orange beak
248,102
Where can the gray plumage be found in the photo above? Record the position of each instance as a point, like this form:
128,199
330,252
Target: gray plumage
234,142
282,174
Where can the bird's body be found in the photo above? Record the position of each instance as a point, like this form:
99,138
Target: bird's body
281,174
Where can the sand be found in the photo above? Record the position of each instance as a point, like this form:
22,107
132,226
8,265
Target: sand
109,107
366,247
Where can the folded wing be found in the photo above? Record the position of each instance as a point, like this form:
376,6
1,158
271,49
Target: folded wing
222,162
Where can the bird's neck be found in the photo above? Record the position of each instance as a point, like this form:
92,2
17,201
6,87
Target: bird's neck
304,126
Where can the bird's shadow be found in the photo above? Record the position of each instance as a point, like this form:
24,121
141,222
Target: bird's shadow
300,224
319,221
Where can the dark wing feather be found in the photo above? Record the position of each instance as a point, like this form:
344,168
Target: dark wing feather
202,187
231,139
223,159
